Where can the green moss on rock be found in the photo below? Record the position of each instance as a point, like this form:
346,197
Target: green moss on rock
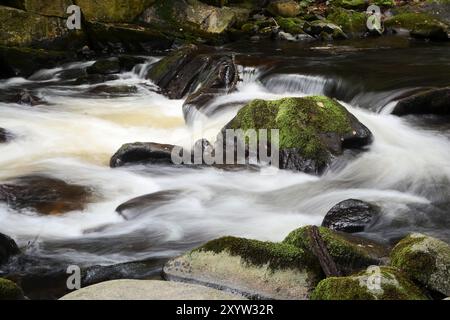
292,25
424,259
420,25
9,290
113,10
384,283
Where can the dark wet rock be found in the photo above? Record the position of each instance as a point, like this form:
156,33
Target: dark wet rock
255,269
351,216
142,152
309,145
113,90
8,248
424,259
393,285
70,74
325,30
125,37
194,20
44,194
198,72
23,62
5,136
435,32
10,291
95,78
140,205
105,66
25,97
346,253
433,101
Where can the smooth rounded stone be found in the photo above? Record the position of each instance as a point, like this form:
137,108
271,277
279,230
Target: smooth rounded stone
436,31
128,62
95,78
142,153
140,205
424,259
345,252
313,131
351,216
8,248
375,283
105,66
10,291
43,194
433,101
325,30
148,290
255,269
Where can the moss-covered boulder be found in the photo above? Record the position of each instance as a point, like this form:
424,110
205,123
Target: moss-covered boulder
349,253
197,72
312,130
23,62
420,25
325,30
193,20
113,10
350,21
425,260
53,8
8,248
284,8
256,269
38,31
376,283
10,291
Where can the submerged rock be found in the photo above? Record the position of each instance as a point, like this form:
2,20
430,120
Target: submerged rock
193,19
256,269
148,290
8,248
95,78
142,152
351,216
425,260
342,252
433,101
44,194
312,130
383,283
10,291
5,135
140,205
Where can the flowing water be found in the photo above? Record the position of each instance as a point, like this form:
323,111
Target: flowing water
406,170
